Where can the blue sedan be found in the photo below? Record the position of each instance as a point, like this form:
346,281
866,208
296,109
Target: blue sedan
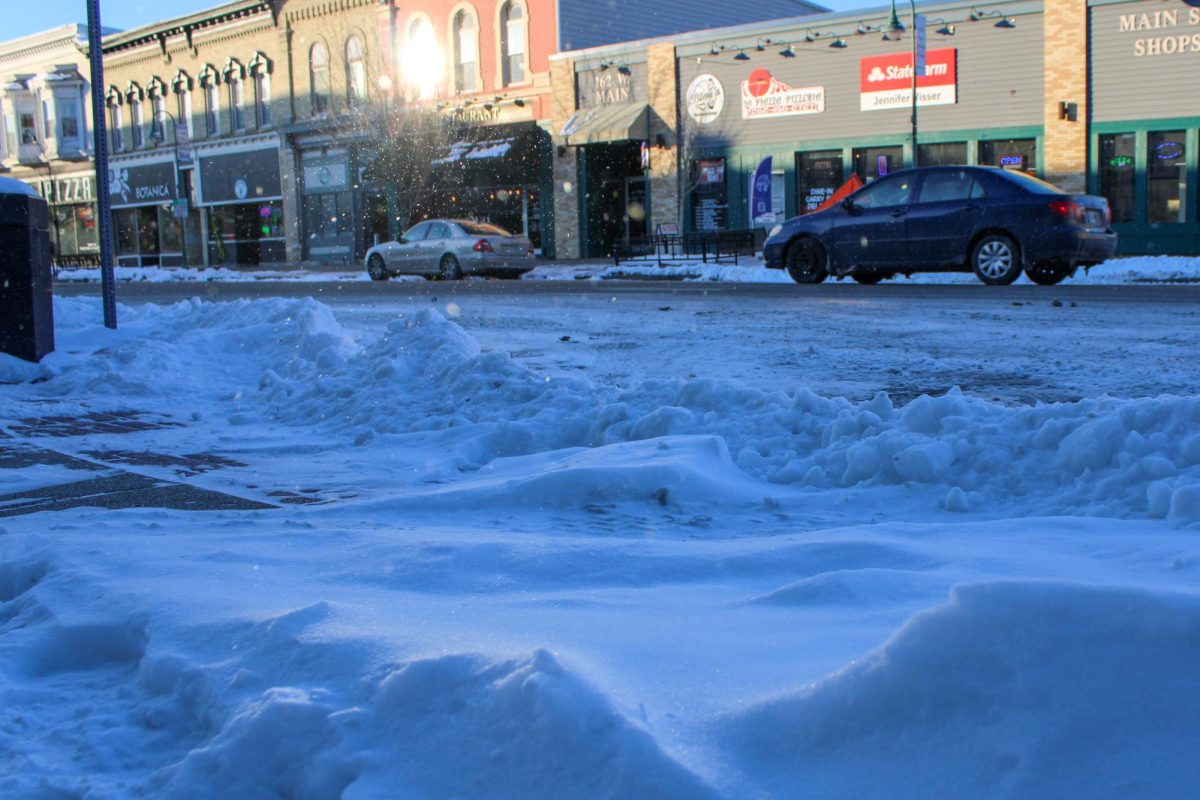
993,222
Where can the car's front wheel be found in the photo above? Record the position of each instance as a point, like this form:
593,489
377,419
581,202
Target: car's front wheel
995,259
805,261
1047,273
376,269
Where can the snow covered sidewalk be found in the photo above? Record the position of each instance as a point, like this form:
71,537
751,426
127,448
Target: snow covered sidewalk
512,585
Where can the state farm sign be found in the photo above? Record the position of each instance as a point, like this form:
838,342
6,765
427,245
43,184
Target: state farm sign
763,95
886,81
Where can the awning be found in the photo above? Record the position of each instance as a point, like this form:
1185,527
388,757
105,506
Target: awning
477,150
617,123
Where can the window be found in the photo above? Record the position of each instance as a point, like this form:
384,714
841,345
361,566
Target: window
465,41
28,128
212,106
1020,154
260,69
948,186
875,162
10,132
68,122
776,209
235,75
1118,162
183,105
356,72
47,122
439,230
318,67
885,192
158,118
1166,176
133,96
114,120
943,154
417,232
818,176
512,43
424,67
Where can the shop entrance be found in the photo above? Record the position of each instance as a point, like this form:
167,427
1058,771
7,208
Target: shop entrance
616,196
377,228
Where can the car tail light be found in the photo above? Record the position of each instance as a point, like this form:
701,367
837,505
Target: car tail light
529,250
1067,209
1107,214
483,246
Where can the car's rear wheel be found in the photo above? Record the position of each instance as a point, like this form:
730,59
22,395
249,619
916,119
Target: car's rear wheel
868,278
376,269
1047,273
996,260
805,261
450,269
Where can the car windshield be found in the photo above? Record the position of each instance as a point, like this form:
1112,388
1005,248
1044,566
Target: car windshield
1030,183
482,229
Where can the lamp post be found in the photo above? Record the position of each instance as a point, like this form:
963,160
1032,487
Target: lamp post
894,32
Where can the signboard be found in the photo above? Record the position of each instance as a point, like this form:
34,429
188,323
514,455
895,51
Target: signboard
249,176
705,99
764,95
760,193
711,208
179,208
921,51
68,189
1012,161
886,81
1168,31
183,146
141,184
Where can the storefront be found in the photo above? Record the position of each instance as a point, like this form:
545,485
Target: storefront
327,204
611,130
496,174
825,107
74,236
1145,133
146,232
241,194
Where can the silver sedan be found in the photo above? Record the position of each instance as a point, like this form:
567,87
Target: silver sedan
450,249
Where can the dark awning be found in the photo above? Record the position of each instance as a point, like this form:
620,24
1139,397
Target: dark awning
616,123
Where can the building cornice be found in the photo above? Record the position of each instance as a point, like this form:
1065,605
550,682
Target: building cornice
187,26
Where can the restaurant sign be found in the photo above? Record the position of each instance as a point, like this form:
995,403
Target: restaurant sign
764,95
886,81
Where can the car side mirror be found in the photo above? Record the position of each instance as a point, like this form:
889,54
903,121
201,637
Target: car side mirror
401,240
848,205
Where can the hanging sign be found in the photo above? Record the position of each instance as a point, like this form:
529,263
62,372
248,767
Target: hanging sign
764,95
705,99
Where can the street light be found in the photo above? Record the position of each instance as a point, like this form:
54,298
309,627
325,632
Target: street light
893,33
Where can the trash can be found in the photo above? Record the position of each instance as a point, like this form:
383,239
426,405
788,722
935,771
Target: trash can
26,301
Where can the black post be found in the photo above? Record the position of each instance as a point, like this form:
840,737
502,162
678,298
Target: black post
108,288
916,160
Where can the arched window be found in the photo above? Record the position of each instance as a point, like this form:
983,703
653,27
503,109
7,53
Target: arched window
133,96
212,105
182,86
260,70
235,75
512,43
464,40
115,122
356,72
424,64
318,73
158,111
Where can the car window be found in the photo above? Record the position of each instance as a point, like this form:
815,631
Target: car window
1029,183
482,229
946,185
895,191
439,230
417,232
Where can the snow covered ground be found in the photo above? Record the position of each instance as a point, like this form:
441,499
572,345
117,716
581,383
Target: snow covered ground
488,580
1132,269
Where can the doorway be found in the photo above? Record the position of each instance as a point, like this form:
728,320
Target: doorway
615,196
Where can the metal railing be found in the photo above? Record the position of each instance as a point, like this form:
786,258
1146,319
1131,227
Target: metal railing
703,246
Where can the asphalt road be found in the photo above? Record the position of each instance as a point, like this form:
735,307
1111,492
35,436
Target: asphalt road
1014,344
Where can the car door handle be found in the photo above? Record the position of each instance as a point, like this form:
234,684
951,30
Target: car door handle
899,212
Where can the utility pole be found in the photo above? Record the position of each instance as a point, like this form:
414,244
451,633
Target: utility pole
108,289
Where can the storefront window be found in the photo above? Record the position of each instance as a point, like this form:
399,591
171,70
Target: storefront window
942,154
875,162
137,236
238,233
64,240
87,235
818,175
1118,161
125,228
1166,176
171,230
1009,153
